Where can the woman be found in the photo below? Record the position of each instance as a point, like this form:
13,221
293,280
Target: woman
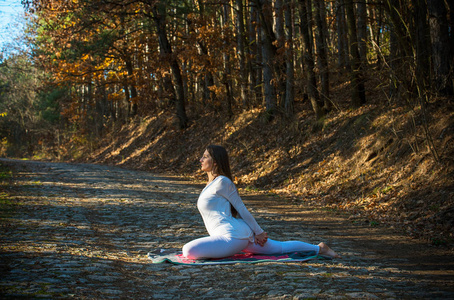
230,225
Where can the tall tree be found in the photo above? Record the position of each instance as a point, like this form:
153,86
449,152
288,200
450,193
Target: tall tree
159,16
241,34
268,39
197,24
356,76
376,28
399,46
255,52
342,37
225,20
322,52
308,61
279,65
289,63
361,9
442,55
422,44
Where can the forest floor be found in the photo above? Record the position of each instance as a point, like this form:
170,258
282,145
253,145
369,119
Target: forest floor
83,231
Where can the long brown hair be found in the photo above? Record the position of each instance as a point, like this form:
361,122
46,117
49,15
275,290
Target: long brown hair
222,166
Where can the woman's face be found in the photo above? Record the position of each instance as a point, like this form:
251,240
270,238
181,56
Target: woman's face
206,162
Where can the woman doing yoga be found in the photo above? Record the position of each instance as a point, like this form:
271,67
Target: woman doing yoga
230,225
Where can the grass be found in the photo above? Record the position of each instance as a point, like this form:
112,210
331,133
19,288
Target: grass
373,223
5,173
251,189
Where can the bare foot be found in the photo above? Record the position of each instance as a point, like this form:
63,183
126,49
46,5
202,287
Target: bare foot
327,251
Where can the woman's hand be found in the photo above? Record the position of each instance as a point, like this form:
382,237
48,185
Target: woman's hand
261,239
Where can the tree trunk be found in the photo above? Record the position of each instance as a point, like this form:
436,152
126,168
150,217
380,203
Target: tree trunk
394,63
255,57
308,61
290,77
168,90
127,99
279,64
342,40
166,53
102,107
226,75
322,53
241,52
264,9
208,95
356,77
323,10
180,97
399,50
310,22
375,29
422,54
451,39
133,95
361,9
441,56
255,74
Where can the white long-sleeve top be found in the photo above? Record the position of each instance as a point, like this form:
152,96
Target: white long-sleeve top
214,206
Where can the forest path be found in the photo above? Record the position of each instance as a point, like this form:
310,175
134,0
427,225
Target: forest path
83,231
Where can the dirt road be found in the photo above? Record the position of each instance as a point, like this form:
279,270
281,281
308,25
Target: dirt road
83,231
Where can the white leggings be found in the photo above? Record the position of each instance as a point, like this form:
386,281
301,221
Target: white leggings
221,246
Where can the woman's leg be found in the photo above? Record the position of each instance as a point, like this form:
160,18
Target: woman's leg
213,247
276,247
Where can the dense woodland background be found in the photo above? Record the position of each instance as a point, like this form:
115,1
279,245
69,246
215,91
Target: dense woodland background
346,105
